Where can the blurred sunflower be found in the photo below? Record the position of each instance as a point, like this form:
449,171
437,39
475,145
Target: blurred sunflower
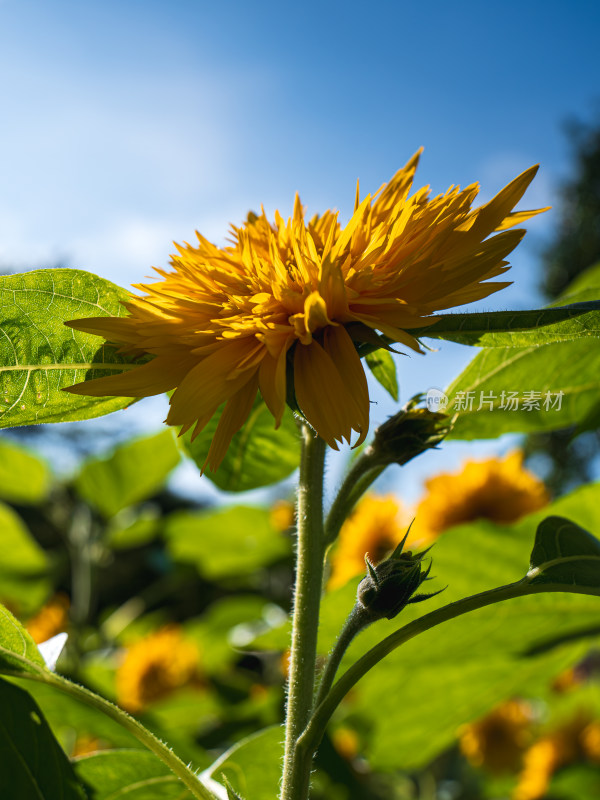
51,619
228,322
375,527
154,667
498,740
576,740
498,489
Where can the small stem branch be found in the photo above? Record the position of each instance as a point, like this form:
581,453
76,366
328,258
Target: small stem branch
311,737
307,598
361,475
175,764
357,620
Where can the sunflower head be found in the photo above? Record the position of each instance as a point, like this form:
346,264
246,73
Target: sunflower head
154,667
289,301
497,489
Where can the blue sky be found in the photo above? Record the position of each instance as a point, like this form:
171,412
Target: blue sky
130,124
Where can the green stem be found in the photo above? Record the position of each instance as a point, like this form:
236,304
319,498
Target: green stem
148,739
307,599
361,475
357,620
311,737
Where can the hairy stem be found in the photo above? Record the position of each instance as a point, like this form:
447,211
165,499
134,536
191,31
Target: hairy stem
307,598
361,475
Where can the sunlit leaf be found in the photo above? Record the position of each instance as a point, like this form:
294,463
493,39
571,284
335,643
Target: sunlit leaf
16,641
459,670
383,367
40,356
24,566
32,763
128,775
253,766
134,472
231,541
526,389
24,478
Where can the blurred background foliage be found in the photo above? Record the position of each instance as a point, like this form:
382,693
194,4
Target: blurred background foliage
178,611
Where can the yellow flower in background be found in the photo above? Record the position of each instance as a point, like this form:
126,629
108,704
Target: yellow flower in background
154,667
282,514
51,619
574,741
498,740
498,489
375,527
297,294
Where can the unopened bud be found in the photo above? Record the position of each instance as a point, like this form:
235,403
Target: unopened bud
409,433
391,585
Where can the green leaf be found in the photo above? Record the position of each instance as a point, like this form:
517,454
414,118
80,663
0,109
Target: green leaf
231,541
40,356
130,775
258,454
20,552
24,478
383,367
134,472
565,553
18,651
24,567
517,328
253,766
460,669
586,286
565,378
32,764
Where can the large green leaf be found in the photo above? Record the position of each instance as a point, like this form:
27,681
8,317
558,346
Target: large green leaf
383,367
40,356
415,699
458,670
231,541
18,651
134,472
128,775
253,766
518,328
24,478
258,454
32,763
491,395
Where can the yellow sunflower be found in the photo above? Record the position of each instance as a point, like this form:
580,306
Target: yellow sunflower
294,298
375,527
51,619
153,667
575,741
498,740
498,489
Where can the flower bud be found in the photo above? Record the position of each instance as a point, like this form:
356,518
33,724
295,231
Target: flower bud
409,433
390,585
